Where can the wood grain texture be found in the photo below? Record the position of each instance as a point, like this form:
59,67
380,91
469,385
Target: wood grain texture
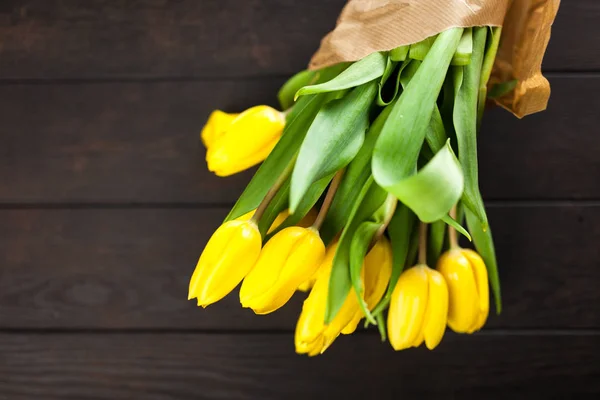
129,268
108,39
138,143
264,366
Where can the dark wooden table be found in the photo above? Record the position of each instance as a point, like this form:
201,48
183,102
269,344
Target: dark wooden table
105,204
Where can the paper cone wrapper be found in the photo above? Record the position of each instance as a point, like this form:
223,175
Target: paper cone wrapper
366,26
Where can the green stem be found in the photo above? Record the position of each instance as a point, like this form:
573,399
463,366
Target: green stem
423,243
452,236
335,183
486,71
260,210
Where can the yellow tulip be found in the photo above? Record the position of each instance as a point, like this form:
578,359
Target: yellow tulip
312,336
218,122
418,309
467,280
228,256
307,285
288,259
377,270
247,141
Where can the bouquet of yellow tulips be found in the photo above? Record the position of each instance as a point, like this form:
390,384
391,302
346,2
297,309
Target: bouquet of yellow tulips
366,178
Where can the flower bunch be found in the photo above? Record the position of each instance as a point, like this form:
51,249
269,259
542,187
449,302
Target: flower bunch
366,178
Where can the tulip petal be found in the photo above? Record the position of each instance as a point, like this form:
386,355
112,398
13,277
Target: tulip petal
407,308
435,319
218,122
353,324
287,260
311,322
481,282
377,271
228,256
404,241
463,298
247,141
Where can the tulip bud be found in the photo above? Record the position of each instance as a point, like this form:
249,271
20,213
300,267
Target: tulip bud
312,336
218,122
418,309
377,270
247,141
467,280
288,259
228,256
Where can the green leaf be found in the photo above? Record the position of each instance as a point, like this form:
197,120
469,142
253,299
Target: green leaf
435,135
486,70
368,202
289,89
409,69
380,101
484,243
462,56
413,249
401,228
399,53
419,51
447,109
466,84
434,189
358,250
333,140
369,68
356,175
381,326
399,144
389,69
277,205
435,244
459,228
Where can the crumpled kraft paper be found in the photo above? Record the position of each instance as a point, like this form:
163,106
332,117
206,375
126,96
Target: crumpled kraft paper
366,26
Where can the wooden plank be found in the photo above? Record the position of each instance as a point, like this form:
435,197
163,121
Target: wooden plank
116,142
69,39
138,143
264,366
129,268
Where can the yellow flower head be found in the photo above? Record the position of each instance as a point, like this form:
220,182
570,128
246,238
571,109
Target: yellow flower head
228,256
418,309
377,270
288,259
218,122
312,336
247,141
467,280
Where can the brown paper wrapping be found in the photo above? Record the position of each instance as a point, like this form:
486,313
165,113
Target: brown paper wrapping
366,26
